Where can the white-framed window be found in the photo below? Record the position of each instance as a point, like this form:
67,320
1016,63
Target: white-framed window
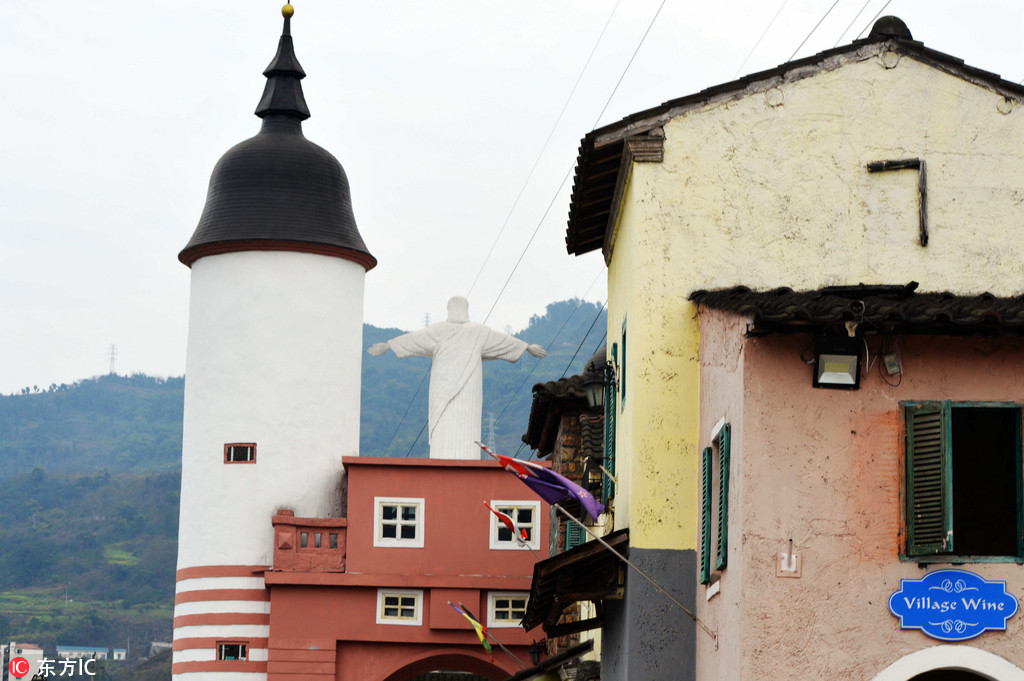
400,606
506,608
525,515
398,522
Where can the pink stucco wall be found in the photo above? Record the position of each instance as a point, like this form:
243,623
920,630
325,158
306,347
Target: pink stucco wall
824,468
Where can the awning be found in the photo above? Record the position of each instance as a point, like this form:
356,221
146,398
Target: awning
586,573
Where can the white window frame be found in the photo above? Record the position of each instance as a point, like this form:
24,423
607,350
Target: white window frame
410,622
492,598
398,542
496,524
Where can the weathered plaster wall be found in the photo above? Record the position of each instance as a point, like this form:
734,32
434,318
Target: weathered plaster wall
824,468
772,189
656,427
645,635
721,356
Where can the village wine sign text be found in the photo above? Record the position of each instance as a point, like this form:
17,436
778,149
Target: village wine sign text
952,605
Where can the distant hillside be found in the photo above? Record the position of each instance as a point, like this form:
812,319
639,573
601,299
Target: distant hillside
90,472
133,423
117,423
89,559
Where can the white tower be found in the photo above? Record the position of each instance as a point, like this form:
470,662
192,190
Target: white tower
272,373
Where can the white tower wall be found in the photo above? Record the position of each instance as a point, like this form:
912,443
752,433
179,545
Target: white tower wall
274,358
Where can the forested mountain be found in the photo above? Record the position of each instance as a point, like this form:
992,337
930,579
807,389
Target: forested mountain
90,472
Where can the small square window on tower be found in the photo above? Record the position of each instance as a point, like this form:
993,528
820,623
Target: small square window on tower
232,650
398,522
240,452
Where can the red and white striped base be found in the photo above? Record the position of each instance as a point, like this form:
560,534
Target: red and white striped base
220,604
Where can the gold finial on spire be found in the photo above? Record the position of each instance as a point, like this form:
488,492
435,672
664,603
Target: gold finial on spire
287,11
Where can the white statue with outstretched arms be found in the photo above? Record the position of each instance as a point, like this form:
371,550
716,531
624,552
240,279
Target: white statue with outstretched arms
458,348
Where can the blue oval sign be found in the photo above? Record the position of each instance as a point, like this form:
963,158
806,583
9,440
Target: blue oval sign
952,605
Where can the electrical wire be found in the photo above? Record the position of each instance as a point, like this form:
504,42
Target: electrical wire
564,178
551,343
852,22
406,413
543,148
572,165
813,30
767,28
873,19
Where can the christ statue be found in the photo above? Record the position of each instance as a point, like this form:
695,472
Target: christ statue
458,348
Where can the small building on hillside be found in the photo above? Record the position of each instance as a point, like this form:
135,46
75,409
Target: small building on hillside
82,652
881,162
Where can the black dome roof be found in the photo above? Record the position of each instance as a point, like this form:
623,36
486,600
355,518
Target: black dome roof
278,190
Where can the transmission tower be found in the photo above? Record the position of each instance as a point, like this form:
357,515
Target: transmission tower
113,359
490,430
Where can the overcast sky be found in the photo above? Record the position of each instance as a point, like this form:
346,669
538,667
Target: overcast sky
114,113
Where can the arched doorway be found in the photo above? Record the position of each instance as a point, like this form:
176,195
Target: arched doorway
457,667
951,663
949,675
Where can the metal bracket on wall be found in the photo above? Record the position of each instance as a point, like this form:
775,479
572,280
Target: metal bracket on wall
922,189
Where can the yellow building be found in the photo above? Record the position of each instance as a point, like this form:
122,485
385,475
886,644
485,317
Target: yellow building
879,162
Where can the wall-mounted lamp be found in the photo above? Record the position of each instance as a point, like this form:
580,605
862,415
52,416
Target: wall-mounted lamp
596,375
537,651
837,362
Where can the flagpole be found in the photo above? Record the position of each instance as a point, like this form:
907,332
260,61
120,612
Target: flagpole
491,636
712,634
523,543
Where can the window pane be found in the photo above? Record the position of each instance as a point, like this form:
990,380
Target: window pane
408,613
334,540
408,513
408,531
304,540
391,612
389,531
524,516
504,534
388,512
316,540
391,600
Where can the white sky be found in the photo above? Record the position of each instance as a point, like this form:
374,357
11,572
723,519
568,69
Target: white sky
114,113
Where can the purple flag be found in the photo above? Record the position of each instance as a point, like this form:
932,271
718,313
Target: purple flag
549,485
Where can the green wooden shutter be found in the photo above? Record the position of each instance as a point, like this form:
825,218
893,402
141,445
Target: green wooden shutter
705,517
622,370
722,545
607,485
573,535
929,477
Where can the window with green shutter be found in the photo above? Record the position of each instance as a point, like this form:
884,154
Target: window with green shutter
607,484
574,535
705,516
963,484
722,539
714,521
